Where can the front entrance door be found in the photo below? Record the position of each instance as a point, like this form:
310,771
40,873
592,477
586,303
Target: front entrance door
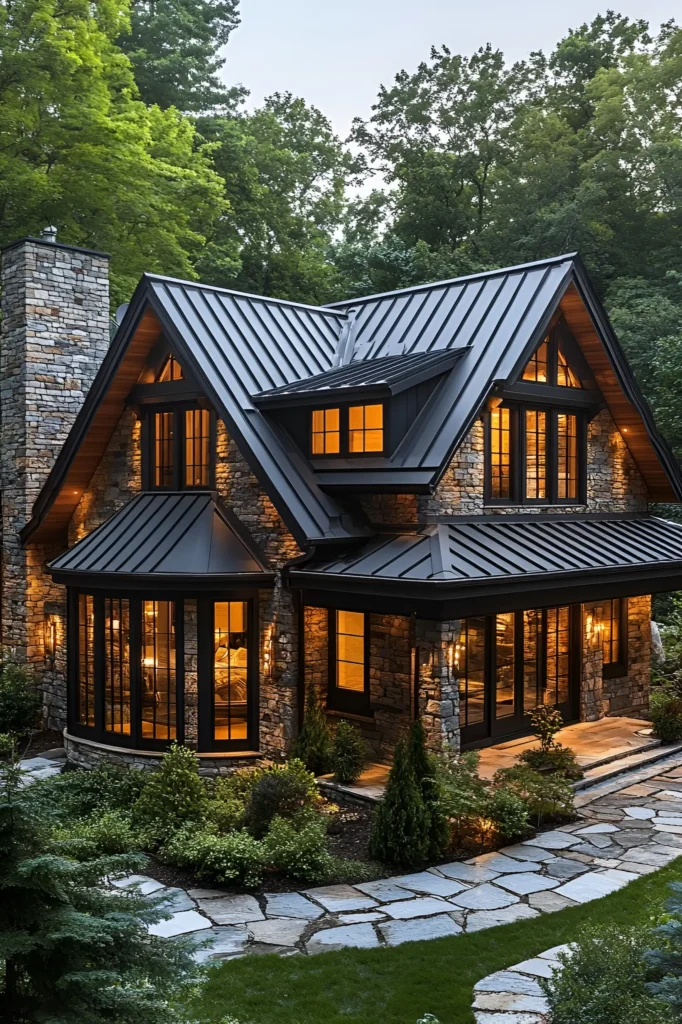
510,663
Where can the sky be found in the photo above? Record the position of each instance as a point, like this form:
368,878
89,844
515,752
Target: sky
336,54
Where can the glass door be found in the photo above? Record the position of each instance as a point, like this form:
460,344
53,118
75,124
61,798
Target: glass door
226,675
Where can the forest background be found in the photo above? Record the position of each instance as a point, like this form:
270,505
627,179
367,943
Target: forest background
115,127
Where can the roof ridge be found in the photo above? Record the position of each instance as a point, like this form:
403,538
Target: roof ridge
245,295
456,280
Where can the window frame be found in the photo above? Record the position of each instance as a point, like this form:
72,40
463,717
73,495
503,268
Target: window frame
178,409
556,341
353,702
344,451
518,496
206,680
619,668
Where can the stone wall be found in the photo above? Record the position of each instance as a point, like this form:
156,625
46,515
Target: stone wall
629,696
438,688
55,333
614,483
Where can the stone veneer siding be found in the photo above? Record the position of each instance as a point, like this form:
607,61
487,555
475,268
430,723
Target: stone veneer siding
55,333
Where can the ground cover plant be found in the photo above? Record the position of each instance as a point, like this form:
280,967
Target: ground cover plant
399,984
550,756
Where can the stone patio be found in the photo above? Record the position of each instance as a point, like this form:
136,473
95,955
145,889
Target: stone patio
627,828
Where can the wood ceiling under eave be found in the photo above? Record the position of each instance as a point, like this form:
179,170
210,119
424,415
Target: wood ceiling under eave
106,418
625,415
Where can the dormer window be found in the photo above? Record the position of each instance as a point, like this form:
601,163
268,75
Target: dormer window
326,432
180,449
366,428
548,365
536,368
565,376
171,370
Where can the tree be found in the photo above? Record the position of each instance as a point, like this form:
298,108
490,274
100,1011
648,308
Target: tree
285,174
400,830
73,950
426,775
81,151
314,743
173,47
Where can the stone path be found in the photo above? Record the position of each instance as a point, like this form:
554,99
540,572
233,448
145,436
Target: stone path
514,996
43,766
627,828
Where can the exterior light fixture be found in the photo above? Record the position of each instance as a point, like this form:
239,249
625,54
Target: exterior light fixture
268,653
51,633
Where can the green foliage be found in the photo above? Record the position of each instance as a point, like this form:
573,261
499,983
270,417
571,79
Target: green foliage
72,949
281,791
349,754
547,721
79,794
8,746
558,759
665,959
313,746
172,796
19,699
101,834
425,769
665,711
173,47
546,796
400,830
510,814
298,846
603,981
463,792
236,857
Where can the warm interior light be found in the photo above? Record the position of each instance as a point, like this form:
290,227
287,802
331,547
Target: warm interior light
51,638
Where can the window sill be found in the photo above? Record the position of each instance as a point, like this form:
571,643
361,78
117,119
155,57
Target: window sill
352,715
531,505
208,754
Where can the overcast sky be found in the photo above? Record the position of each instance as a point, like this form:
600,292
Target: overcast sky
336,54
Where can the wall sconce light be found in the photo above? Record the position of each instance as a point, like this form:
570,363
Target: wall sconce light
51,628
268,652
593,630
494,402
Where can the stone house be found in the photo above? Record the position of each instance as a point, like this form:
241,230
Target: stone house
434,502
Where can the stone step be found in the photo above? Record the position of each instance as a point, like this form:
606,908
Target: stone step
612,767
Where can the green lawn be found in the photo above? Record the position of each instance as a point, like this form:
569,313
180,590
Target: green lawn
397,986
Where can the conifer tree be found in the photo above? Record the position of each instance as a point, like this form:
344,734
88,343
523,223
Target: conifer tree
399,835
426,776
313,745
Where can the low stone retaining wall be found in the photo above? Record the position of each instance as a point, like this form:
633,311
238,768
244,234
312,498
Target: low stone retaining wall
87,754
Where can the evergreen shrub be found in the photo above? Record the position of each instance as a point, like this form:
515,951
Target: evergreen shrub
314,744
425,769
665,711
400,829
297,846
172,796
348,754
282,790
19,700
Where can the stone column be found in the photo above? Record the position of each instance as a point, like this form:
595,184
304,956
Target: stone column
438,696
591,668
55,333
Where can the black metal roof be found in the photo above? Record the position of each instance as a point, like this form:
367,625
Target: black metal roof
392,374
164,536
504,555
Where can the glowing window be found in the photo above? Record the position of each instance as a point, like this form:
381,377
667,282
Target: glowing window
567,456
117,665
614,640
500,453
536,455
159,678
350,651
171,370
366,428
326,432
469,670
197,455
230,671
536,368
85,714
164,443
565,376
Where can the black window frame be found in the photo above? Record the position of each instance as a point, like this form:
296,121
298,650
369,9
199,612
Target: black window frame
344,451
618,668
352,702
178,409
518,456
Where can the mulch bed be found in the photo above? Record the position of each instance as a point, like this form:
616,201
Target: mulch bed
46,739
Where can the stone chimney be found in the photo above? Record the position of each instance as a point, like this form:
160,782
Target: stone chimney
55,333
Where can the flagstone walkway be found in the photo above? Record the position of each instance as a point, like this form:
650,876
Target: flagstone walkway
627,828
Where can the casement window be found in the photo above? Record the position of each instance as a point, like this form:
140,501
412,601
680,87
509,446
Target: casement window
548,365
230,672
469,670
615,638
171,370
159,671
179,445
85,711
326,432
348,662
117,706
535,456
347,430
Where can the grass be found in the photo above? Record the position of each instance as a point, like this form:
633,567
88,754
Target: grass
399,985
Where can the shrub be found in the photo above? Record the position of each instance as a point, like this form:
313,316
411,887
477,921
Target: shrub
103,834
348,754
509,813
399,834
78,794
558,759
603,981
665,710
280,791
313,745
546,722
8,746
426,775
546,796
173,795
236,857
667,962
463,792
298,846
19,701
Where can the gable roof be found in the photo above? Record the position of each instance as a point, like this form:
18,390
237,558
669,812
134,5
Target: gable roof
243,348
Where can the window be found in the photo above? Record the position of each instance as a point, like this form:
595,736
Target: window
159,677
500,453
504,665
86,660
469,671
366,428
326,432
117,711
615,636
546,647
565,375
534,456
180,446
171,370
230,671
549,365
348,675
536,368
